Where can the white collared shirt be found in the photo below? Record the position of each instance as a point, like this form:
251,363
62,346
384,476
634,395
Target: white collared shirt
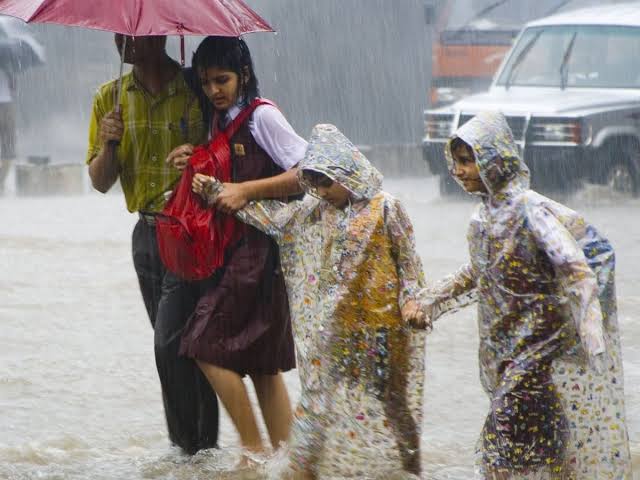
274,134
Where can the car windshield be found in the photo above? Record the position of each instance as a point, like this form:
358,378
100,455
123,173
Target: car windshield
499,15
575,56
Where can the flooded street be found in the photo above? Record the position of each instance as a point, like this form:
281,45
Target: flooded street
79,393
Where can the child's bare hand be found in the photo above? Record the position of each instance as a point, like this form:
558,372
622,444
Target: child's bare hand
200,184
232,198
416,316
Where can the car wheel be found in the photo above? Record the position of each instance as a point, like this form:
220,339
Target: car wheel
623,179
619,179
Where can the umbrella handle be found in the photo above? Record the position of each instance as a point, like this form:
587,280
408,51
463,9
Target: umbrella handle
111,149
182,50
114,143
180,29
124,48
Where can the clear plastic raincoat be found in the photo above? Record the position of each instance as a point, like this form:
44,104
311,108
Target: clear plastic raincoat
348,273
543,279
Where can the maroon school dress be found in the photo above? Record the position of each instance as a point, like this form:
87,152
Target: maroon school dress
242,322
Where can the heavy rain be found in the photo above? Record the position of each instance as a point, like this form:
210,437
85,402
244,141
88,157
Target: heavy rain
80,393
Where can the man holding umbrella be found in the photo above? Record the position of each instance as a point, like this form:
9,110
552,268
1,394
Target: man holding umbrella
130,142
148,113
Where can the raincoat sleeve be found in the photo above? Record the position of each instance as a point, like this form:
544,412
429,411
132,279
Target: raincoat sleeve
574,274
451,293
403,245
272,217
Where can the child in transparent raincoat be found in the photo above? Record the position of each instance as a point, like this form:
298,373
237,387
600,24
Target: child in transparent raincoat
353,277
549,358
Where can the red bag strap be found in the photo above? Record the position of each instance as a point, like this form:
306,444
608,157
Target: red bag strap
237,122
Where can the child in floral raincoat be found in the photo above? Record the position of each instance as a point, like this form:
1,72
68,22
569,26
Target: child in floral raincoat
550,359
353,277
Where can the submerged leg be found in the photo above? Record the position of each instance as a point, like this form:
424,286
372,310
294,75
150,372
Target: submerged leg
397,409
301,476
494,475
526,431
235,398
275,405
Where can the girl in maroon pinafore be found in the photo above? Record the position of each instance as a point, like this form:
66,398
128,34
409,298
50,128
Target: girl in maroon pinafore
241,325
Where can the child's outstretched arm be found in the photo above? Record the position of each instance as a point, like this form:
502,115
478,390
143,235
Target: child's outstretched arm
269,216
408,263
451,293
575,276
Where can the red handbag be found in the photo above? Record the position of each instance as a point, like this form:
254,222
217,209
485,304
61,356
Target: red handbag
192,237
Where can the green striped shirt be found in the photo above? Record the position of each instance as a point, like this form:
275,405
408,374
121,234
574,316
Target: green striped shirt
153,126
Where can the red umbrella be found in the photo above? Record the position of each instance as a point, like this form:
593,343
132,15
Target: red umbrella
229,18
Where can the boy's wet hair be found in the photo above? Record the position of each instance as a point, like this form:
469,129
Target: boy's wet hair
457,143
228,53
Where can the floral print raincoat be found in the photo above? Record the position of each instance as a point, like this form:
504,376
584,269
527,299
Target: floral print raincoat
348,273
543,279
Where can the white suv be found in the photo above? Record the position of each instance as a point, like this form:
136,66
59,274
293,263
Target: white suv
570,88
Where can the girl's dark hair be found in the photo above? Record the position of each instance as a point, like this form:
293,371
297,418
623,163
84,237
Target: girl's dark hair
229,53
457,142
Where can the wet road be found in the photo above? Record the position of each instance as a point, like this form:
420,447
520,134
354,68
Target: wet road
79,396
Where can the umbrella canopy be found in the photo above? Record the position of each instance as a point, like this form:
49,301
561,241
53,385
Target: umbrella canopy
231,18
19,50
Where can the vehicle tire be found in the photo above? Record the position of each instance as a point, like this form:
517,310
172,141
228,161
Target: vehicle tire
449,187
623,176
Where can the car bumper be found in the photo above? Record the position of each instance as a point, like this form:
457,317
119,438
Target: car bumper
556,168
433,154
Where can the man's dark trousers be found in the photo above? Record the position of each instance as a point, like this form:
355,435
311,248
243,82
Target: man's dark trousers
190,404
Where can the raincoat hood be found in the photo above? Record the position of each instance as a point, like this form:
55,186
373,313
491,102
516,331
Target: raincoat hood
332,154
501,168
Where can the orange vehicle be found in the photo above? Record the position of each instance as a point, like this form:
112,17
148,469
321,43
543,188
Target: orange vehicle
471,37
